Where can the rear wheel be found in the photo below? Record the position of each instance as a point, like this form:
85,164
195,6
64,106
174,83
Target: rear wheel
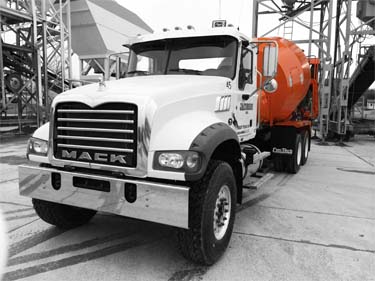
294,161
212,205
305,147
62,216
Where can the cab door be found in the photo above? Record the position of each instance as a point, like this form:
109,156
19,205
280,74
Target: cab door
245,111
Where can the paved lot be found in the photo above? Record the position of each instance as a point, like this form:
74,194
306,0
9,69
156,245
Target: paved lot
316,225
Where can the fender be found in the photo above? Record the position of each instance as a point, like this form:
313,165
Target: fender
42,132
200,131
207,142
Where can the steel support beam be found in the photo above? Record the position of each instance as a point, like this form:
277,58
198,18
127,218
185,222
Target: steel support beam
37,25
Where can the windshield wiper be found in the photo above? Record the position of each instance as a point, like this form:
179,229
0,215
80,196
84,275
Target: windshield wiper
138,72
186,71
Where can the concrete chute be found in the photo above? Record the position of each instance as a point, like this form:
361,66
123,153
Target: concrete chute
99,28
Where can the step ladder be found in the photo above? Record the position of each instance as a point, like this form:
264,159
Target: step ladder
256,180
288,29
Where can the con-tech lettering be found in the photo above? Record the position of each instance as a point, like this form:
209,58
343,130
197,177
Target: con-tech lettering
246,106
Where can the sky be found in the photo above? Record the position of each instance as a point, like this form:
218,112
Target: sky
159,14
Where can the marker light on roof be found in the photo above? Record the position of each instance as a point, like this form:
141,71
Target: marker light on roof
190,27
177,28
219,23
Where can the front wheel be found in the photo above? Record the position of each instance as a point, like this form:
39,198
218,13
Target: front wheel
212,206
62,216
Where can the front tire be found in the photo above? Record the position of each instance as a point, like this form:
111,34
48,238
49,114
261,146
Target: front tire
62,216
212,206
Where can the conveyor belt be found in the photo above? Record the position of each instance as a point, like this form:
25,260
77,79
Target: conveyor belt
362,78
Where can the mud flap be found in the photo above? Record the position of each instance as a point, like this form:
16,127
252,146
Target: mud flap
283,141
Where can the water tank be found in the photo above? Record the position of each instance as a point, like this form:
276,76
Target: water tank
293,78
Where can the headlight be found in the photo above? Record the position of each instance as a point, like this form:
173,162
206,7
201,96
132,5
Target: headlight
37,146
171,160
184,161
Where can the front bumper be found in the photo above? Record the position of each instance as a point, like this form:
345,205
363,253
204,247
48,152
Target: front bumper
156,202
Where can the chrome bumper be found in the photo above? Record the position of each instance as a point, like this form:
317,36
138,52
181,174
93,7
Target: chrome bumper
156,202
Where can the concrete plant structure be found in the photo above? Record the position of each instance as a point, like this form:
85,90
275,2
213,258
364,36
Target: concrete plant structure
95,38
38,41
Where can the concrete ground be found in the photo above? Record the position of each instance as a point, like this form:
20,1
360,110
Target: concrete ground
316,225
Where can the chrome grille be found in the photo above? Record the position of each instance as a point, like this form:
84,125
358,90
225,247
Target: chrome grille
104,134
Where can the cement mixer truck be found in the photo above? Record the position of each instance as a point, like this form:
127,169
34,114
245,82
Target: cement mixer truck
173,141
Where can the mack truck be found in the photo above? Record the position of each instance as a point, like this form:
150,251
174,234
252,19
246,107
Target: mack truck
172,142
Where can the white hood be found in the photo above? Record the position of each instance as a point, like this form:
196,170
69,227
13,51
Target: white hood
161,89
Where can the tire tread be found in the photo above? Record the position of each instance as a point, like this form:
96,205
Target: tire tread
191,241
62,216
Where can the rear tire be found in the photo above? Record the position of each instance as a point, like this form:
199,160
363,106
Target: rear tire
294,161
305,147
62,216
212,206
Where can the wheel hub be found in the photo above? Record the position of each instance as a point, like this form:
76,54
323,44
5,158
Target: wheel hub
222,212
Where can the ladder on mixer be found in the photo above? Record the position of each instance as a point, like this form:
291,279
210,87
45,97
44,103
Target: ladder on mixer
288,29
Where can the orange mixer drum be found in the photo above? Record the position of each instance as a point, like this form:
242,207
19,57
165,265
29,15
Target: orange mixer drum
293,78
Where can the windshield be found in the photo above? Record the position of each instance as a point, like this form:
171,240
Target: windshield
211,55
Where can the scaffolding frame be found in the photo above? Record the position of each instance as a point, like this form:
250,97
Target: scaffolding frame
341,71
35,48
337,35
346,38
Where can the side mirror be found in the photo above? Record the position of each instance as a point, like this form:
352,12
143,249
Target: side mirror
270,58
270,86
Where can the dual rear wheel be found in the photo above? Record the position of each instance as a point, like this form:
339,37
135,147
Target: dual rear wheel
305,147
293,162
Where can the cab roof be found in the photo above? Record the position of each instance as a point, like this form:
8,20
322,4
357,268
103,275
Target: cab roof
229,31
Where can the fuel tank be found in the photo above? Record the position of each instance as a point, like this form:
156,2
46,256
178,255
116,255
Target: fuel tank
293,79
